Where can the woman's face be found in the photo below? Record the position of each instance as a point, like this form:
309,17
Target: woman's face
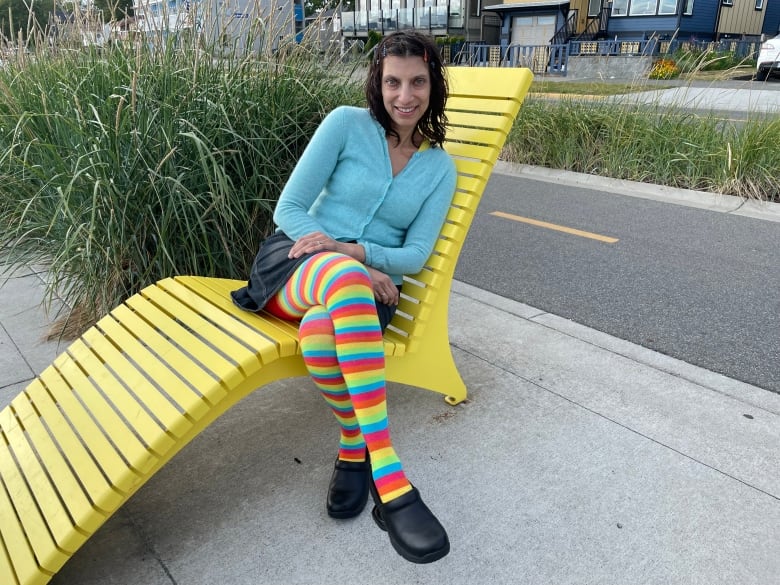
406,90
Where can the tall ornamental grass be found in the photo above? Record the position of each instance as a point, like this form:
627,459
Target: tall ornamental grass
653,144
123,165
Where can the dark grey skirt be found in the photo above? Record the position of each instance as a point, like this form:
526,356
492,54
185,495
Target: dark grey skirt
271,270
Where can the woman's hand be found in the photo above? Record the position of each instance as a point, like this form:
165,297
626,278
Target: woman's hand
385,290
310,243
319,242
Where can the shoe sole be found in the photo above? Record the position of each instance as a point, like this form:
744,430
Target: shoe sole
346,515
429,558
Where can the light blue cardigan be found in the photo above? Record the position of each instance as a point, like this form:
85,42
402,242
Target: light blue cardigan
343,186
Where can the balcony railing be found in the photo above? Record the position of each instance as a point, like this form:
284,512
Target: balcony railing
434,19
655,47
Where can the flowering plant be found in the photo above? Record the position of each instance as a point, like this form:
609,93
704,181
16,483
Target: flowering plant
664,69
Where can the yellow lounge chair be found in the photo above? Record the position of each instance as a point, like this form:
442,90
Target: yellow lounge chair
124,398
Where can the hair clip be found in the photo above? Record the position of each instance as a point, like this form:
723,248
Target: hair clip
377,55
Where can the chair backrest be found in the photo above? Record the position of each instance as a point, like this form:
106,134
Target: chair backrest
481,110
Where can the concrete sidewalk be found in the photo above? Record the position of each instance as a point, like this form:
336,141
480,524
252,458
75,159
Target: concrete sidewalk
756,99
753,98
579,458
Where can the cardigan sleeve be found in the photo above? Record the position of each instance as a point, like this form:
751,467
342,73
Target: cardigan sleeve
309,177
422,232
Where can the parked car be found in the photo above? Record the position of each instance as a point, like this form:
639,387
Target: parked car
768,58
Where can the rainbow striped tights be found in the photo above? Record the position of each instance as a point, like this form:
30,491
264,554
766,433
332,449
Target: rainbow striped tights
342,348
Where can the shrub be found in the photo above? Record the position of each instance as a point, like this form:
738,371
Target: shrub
654,144
124,166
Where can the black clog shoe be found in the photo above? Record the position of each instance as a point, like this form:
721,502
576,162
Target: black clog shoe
414,531
348,490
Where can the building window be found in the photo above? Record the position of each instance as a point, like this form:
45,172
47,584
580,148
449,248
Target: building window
594,8
642,7
653,7
727,2
759,4
619,7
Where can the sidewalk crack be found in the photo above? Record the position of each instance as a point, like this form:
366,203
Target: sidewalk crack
146,541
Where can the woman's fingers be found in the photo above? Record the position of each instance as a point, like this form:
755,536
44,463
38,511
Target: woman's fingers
314,242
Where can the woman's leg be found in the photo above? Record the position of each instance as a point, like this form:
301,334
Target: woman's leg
318,344
342,287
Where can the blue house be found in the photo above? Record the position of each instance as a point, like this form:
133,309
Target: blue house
558,21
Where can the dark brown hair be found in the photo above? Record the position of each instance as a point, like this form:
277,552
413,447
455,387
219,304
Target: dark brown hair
433,123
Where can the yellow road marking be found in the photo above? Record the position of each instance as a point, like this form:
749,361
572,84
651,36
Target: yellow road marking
552,226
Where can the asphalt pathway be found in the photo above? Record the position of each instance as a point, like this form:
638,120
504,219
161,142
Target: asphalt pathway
690,275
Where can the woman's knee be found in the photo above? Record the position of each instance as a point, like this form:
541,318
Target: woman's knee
317,321
337,271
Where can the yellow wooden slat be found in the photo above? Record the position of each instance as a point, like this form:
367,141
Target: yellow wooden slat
54,514
119,475
428,278
505,107
224,369
411,308
84,515
197,324
410,305
487,139
437,263
407,326
477,152
190,370
217,291
473,119
414,328
267,349
95,484
191,405
399,338
472,185
28,516
116,431
470,171
21,566
133,412
447,247
457,219
489,82
7,574
467,201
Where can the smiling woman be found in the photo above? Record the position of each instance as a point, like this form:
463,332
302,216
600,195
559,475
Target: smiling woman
363,206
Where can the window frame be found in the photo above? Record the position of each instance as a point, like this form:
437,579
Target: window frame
649,4
615,4
598,3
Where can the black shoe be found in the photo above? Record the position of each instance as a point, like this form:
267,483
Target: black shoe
414,531
348,491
